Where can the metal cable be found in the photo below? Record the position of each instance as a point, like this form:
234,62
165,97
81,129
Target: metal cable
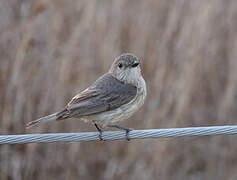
116,135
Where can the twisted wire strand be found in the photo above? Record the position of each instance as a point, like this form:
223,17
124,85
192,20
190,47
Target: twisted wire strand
117,135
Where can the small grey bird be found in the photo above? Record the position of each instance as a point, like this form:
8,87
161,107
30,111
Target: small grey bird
114,97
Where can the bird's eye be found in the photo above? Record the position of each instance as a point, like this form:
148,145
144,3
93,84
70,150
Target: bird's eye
120,65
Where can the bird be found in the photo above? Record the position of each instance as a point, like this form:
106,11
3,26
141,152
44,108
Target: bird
113,97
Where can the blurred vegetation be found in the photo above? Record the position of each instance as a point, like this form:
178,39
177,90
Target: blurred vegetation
50,50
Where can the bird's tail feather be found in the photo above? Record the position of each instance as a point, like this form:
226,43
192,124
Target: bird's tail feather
52,117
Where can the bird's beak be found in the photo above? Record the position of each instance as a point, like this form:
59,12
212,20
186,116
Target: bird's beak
135,64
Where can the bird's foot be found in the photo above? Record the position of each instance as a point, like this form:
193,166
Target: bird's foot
127,130
127,133
101,135
100,132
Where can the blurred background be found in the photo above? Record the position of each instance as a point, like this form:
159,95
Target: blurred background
51,50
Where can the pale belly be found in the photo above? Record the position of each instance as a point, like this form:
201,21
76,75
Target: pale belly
122,113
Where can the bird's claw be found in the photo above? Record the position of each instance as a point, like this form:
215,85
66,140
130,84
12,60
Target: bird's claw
100,132
127,130
100,135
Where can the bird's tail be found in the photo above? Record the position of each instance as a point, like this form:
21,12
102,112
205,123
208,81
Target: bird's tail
52,117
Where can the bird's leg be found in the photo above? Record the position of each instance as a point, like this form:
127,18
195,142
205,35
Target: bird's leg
123,128
100,131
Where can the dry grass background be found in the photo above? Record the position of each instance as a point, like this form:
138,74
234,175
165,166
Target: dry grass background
50,50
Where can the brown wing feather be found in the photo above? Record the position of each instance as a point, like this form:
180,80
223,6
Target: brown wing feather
84,95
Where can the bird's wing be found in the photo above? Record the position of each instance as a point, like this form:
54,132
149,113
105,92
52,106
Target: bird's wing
106,94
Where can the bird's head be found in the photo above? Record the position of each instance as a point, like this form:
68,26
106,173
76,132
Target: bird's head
126,68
